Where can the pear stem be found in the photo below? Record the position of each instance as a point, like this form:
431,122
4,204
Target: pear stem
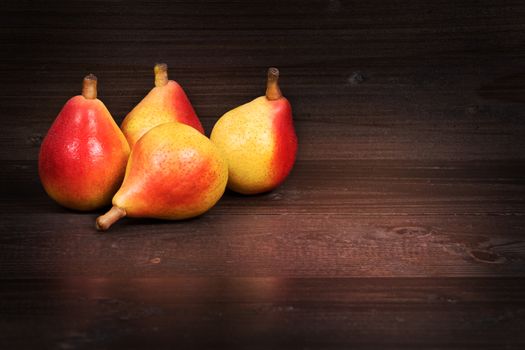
89,87
113,215
272,85
161,74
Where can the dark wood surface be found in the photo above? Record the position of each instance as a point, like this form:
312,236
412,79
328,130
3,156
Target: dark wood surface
401,226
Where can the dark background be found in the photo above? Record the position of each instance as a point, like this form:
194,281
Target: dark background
401,226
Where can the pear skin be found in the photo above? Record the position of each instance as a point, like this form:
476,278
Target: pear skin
83,156
258,139
174,172
166,102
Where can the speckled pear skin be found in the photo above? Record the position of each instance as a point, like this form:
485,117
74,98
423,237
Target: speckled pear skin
259,142
83,156
163,104
174,172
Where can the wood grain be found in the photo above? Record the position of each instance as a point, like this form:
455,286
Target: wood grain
401,226
373,218
264,313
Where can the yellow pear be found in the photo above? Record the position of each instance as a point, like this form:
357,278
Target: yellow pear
258,140
166,102
174,172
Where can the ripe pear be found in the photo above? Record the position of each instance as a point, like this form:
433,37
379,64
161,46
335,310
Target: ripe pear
258,140
174,172
83,156
166,102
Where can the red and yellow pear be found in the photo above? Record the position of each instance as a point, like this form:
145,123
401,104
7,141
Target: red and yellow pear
258,139
83,156
174,172
166,102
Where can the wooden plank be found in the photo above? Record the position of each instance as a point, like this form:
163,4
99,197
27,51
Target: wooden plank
264,245
356,137
438,75
263,313
360,218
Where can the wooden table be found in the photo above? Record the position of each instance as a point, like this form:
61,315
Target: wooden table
401,226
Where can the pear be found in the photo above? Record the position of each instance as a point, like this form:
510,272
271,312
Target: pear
258,140
166,102
174,172
83,156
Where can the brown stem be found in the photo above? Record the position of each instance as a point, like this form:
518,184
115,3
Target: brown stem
89,87
272,85
113,215
161,74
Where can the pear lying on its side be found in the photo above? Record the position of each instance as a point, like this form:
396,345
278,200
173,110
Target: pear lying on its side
258,140
174,172
166,102
83,156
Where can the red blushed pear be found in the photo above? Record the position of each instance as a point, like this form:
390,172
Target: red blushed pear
83,156
258,140
166,102
174,172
